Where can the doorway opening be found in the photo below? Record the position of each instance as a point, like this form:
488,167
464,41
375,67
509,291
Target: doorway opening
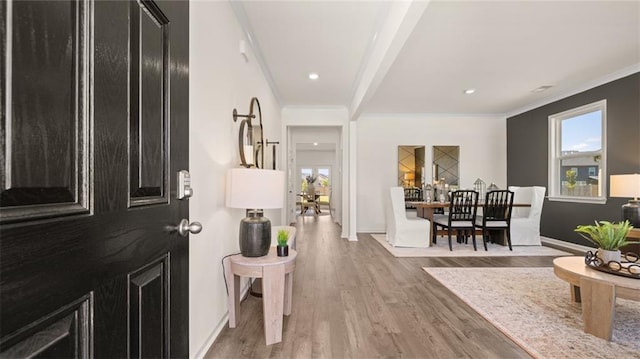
314,162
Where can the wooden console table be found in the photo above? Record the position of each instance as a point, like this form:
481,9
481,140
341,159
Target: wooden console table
277,288
597,291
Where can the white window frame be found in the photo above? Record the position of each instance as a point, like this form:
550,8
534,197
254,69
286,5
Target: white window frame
555,154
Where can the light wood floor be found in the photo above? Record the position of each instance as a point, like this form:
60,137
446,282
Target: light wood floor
355,300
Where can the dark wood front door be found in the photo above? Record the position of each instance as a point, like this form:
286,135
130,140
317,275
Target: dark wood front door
94,104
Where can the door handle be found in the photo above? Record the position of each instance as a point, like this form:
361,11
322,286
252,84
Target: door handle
184,228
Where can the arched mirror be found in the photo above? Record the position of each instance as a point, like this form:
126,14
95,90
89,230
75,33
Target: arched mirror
246,143
250,138
258,147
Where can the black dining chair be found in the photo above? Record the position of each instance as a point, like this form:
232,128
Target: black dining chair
463,206
496,215
412,195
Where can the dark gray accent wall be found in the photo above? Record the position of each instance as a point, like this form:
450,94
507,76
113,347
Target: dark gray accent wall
527,153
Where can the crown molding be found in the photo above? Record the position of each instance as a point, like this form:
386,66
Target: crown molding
430,115
249,34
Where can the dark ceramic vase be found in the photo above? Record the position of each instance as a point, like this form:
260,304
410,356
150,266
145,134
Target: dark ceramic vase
255,235
283,251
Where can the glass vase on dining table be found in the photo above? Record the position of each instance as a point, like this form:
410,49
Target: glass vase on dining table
427,191
481,187
441,190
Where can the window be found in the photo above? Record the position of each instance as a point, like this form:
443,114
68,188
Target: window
322,176
577,161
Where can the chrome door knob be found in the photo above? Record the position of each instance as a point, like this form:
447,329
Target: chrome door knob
184,228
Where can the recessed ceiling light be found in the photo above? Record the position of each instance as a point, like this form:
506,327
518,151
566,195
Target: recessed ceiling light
313,76
469,91
315,143
542,88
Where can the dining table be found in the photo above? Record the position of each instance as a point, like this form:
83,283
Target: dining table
307,197
426,210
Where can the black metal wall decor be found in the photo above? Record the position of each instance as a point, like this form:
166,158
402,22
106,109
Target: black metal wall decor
250,138
273,153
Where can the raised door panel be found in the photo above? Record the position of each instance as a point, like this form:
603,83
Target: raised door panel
65,333
148,101
148,319
45,138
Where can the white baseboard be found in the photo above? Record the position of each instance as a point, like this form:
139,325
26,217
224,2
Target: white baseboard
218,329
372,230
556,243
212,337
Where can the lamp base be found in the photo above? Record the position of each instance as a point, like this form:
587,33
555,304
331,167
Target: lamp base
255,235
631,212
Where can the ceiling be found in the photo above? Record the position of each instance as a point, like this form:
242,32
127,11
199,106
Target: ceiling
419,56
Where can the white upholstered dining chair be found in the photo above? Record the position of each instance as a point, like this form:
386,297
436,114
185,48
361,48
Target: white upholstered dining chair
525,221
402,231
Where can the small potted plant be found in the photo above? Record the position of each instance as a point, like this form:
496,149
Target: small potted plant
609,237
283,238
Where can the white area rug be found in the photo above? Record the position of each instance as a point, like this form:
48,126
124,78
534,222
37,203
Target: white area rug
441,249
533,308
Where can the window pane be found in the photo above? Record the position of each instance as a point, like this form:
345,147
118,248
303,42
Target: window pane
580,176
323,177
304,172
582,133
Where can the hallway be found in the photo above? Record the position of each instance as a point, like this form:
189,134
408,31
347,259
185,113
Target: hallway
353,299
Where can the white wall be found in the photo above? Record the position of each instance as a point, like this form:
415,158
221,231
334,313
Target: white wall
315,158
320,134
220,80
482,142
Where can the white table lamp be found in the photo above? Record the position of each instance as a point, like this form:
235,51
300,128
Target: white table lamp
254,190
627,186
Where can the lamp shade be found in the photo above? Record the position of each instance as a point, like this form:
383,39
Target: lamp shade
409,176
254,188
626,186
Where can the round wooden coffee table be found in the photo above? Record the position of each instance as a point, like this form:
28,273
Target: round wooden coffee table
597,291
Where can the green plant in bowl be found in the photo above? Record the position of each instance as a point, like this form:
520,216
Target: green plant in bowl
606,235
283,237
